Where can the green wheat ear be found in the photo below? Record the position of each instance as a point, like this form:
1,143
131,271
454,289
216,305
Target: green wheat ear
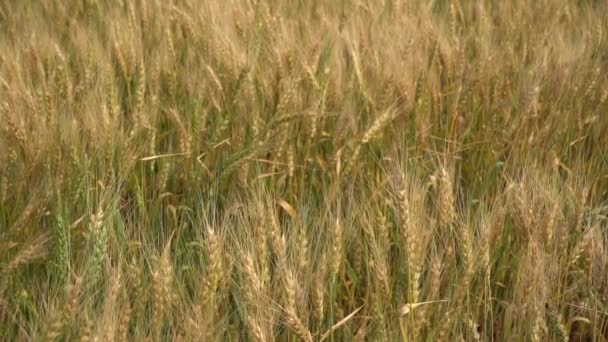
98,237
62,246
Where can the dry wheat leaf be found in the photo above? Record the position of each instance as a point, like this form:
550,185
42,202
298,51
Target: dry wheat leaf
411,306
288,208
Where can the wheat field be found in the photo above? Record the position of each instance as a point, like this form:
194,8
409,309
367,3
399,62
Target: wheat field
303,170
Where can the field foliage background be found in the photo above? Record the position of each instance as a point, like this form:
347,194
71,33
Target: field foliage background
304,170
